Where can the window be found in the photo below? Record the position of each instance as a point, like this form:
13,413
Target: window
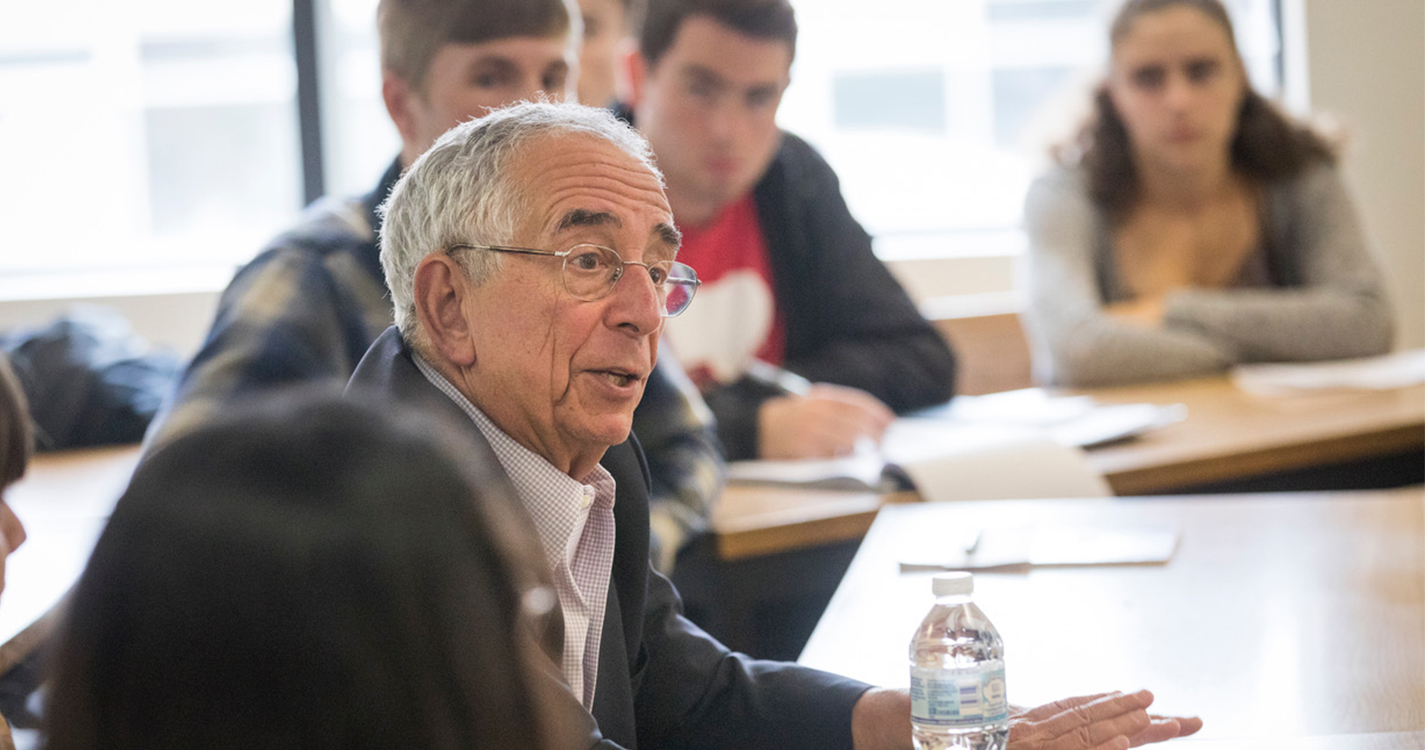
144,135
153,135
359,136
937,114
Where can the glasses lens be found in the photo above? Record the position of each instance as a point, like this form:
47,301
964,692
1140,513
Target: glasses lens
678,290
590,271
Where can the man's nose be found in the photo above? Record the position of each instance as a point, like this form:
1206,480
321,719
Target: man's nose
722,120
636,305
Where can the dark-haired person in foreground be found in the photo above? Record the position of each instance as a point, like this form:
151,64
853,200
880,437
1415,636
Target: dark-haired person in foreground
791,277
310,575
307,308
17,444
1192,226
16,447
531,256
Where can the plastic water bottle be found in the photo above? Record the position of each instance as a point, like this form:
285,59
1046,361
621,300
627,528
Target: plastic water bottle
957,673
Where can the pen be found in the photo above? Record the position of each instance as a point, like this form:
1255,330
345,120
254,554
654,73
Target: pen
974,546
786,381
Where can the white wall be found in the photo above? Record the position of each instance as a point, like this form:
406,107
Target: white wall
1365,62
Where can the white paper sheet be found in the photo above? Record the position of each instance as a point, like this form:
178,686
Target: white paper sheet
946,460
949,461
1370,373
1011,547
1072,420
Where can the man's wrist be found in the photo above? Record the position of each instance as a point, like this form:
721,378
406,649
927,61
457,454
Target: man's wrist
880,720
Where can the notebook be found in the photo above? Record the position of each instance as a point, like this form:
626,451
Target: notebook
1072,420
945,460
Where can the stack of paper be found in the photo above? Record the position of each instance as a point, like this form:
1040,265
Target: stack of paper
1071,420
951,461
1016,444
946,460
1370,373
1023,547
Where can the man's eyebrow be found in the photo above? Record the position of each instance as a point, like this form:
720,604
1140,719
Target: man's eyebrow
704,75
583,217
497,62
765,89
669,234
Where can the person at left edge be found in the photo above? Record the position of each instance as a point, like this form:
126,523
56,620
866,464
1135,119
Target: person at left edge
308,307
16,446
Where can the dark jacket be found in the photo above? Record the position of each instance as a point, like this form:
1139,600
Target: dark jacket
663,683
847,319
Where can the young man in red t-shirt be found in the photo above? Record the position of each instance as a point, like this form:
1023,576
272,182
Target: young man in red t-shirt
789,276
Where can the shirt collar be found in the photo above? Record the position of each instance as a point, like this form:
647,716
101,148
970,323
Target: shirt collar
555,500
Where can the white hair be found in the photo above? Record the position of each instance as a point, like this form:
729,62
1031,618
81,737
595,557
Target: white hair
460,193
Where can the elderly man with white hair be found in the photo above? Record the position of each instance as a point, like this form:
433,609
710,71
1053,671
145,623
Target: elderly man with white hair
531,259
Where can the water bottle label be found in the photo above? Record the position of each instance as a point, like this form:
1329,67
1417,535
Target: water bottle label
959,697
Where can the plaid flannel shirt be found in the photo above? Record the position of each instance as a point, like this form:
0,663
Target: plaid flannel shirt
307,308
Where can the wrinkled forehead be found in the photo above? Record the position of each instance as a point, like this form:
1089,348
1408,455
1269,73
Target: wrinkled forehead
583,186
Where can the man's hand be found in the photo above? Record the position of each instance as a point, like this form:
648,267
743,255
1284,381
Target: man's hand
828,421
1111,721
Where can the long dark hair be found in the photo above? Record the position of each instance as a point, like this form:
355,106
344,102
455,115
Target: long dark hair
318,575
16,431
1268,145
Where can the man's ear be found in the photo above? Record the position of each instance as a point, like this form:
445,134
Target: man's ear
399,97
635,70
441,293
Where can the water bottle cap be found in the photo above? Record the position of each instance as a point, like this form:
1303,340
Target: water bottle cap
959,583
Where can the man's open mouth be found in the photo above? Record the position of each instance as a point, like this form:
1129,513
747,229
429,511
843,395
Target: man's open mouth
619,377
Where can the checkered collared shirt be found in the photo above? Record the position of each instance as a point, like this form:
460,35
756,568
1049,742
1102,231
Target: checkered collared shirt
575,520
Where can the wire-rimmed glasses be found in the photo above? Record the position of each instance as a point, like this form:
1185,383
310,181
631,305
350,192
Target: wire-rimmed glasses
590,272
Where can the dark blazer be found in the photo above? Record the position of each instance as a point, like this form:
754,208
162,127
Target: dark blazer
663,683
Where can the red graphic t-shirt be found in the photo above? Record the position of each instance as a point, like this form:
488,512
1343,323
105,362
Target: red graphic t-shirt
734,317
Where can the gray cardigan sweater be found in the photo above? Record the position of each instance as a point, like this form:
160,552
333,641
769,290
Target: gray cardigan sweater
1326,299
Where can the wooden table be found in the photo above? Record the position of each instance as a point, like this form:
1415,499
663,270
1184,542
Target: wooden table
63,501
1280,615
1228,435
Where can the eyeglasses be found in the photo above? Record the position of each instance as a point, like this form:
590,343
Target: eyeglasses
590,272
